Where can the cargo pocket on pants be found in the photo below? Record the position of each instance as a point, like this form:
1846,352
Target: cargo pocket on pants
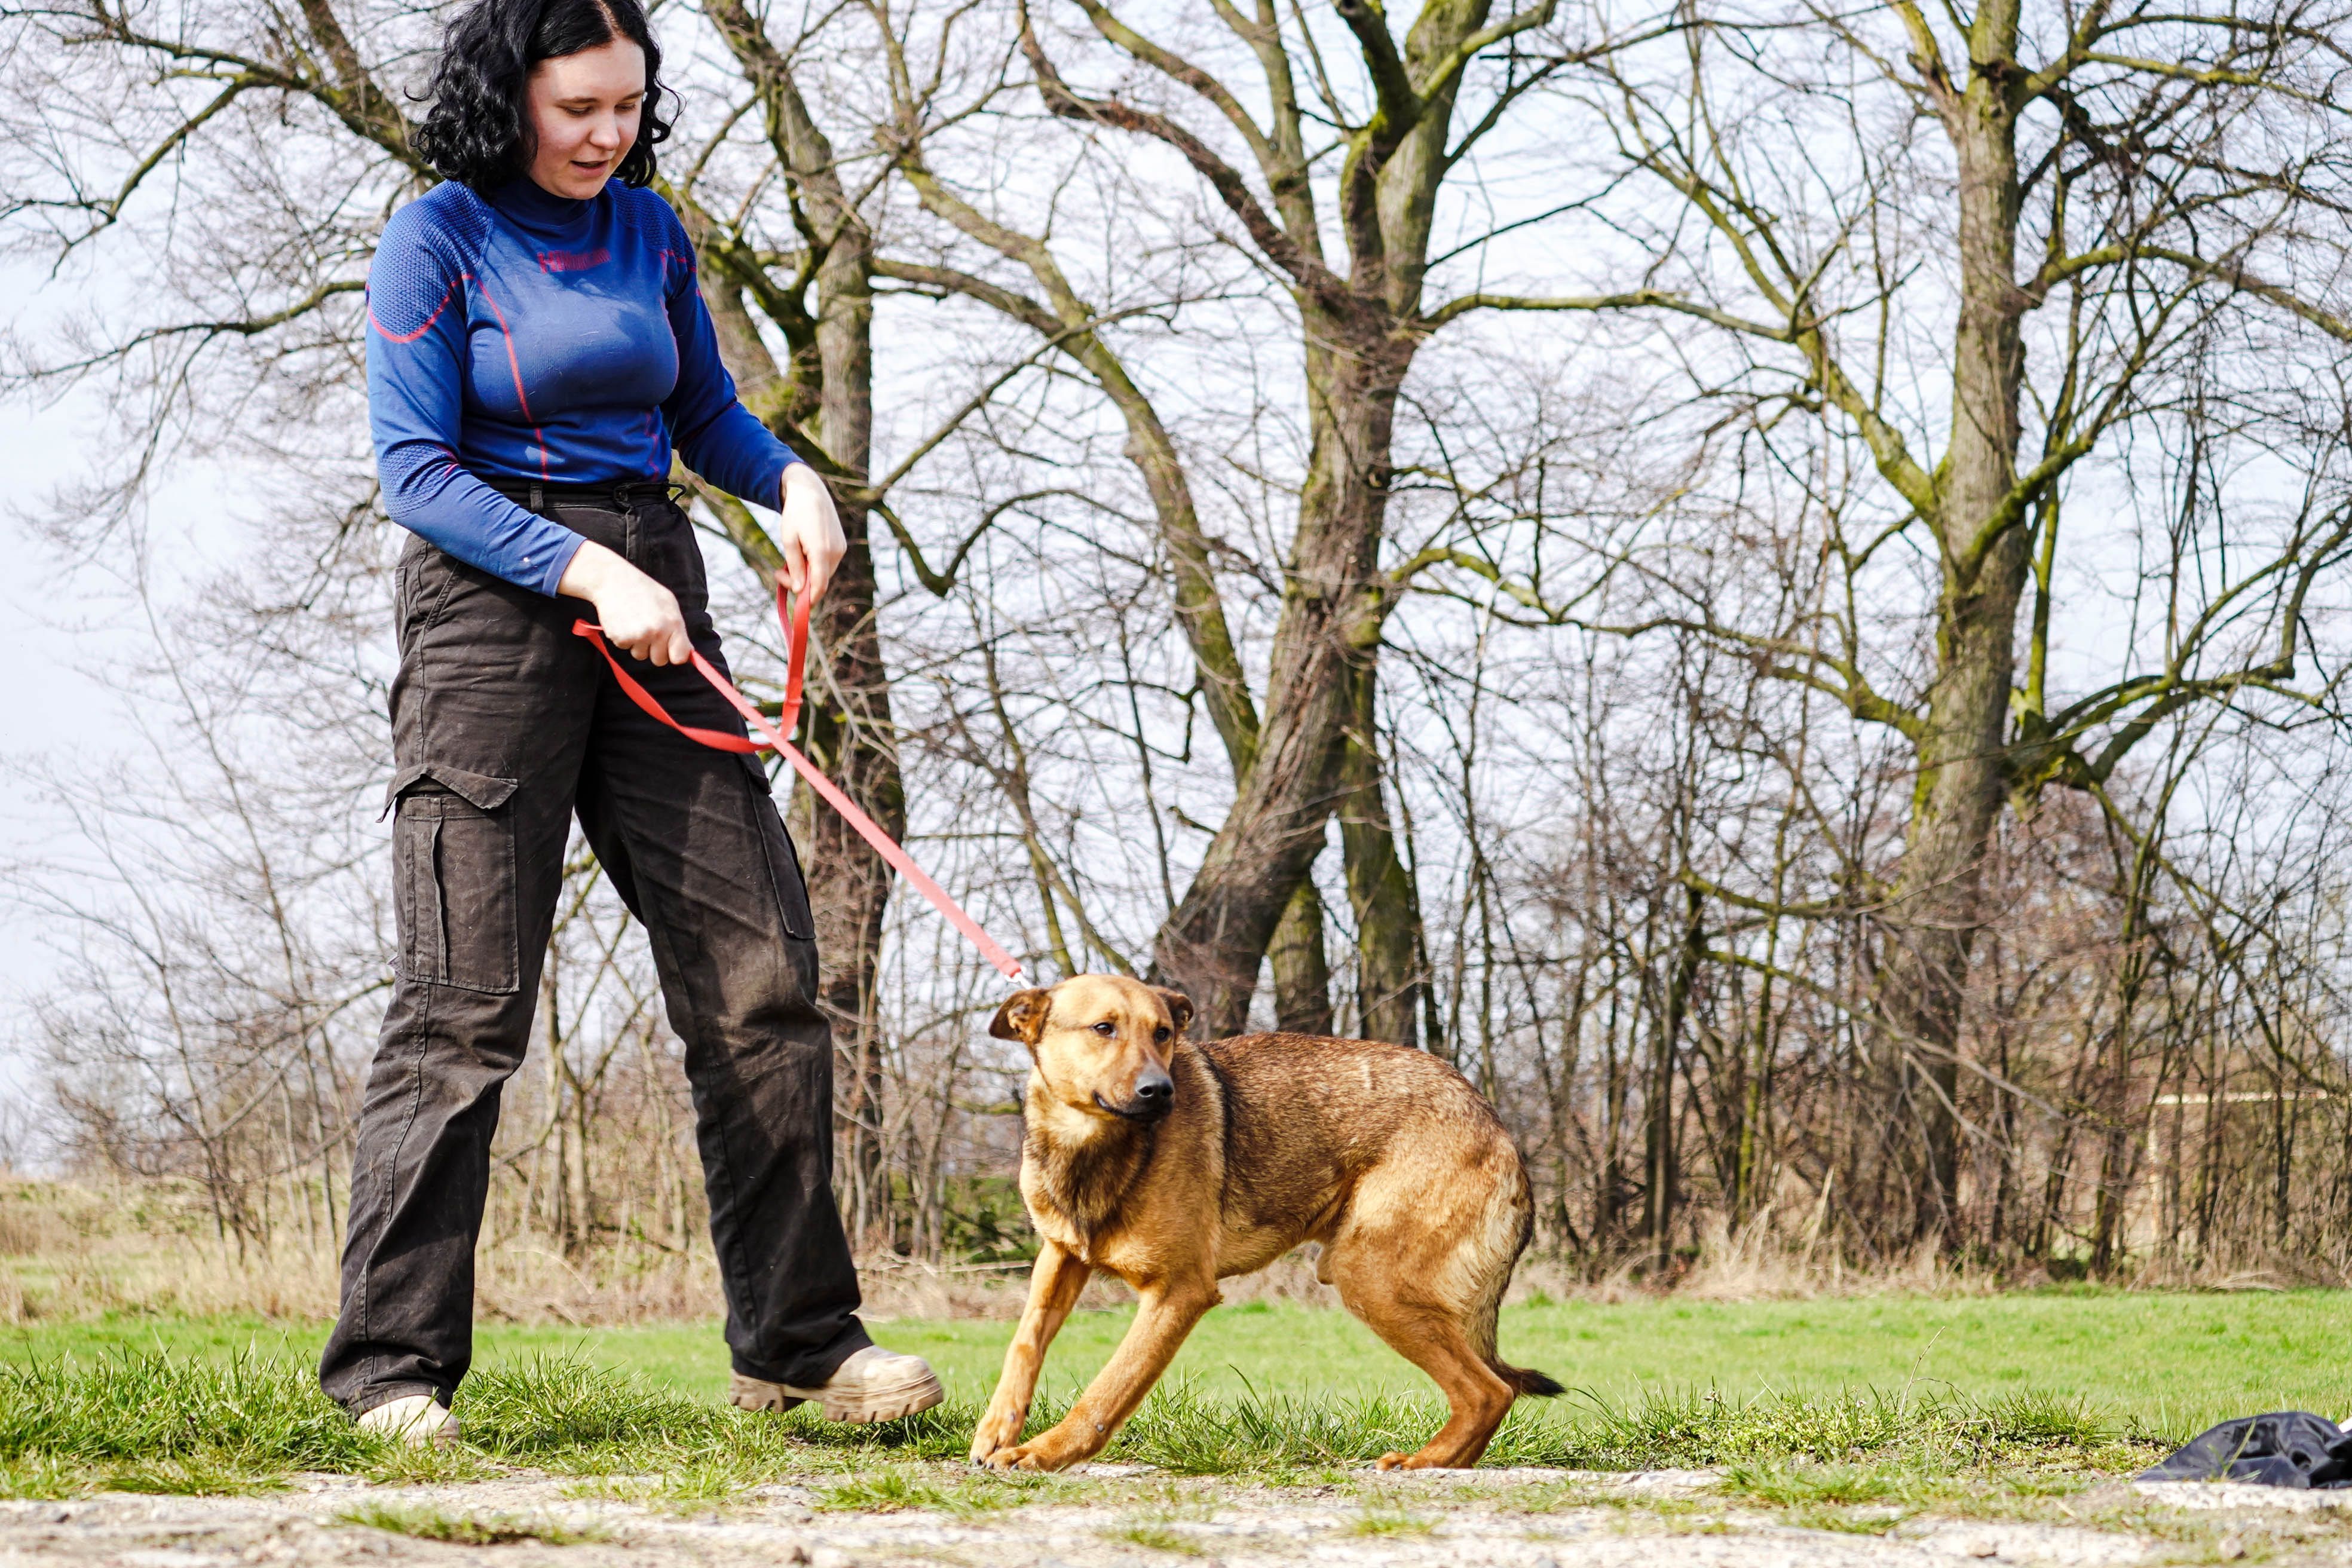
784,860
453,844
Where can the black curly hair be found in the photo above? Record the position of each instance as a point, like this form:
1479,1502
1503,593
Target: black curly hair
474,130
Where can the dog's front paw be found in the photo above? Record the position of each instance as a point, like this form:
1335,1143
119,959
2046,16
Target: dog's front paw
1421,1459
998,1431
1017,1457
1051,1450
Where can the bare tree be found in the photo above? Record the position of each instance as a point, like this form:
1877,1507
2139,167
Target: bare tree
1310,749
2158,196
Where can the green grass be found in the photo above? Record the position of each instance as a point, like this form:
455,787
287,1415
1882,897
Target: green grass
891,1491
1849,1411
467,1529
2170,1364
1156,1538
149,1421
1391,1521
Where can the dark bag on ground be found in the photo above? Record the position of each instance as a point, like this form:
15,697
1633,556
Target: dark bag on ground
2285,1449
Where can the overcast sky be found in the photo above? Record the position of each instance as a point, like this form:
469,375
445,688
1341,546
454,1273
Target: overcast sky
48,704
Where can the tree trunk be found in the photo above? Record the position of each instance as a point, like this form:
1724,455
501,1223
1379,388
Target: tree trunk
847,725
1662,1157
1302,969
1390,983
1963,772
1324,645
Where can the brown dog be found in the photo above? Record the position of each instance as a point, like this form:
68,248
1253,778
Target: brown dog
1174,1164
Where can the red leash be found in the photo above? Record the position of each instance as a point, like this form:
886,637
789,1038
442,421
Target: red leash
795,627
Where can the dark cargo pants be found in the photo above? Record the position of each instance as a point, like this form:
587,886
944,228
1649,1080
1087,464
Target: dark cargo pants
504,725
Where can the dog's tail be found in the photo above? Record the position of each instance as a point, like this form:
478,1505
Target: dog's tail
1525,1380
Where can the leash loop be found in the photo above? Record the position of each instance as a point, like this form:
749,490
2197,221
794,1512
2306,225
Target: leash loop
773,737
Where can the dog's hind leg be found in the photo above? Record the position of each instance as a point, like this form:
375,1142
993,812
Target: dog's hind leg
1435,1340
1165,1315
1055,1285
1425,1271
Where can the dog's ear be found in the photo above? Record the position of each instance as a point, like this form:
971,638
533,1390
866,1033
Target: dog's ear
1023,1016
1179,1007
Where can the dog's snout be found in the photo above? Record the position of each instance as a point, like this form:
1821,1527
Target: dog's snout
1153,1096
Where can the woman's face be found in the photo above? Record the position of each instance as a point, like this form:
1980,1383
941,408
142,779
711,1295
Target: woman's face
581,114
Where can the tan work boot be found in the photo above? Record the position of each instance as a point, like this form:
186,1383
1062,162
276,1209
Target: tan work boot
417,1419
871,1386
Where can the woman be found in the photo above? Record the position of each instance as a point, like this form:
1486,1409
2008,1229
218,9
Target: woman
536,350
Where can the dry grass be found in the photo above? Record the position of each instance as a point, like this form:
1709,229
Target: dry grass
1756,1263
1759,1263
72,1252
201,1277
69,1251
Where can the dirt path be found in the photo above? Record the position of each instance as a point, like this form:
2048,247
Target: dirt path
1523,1519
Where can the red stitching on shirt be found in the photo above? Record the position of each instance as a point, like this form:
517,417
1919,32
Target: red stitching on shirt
515,365
392,336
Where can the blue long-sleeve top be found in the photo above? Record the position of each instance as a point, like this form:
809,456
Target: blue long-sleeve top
526,336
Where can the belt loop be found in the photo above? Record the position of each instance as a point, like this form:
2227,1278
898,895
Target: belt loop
537,496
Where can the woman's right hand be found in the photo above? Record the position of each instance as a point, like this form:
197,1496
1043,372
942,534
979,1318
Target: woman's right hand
637,613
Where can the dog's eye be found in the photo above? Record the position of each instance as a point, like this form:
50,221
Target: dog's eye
1160,1035
1105,1028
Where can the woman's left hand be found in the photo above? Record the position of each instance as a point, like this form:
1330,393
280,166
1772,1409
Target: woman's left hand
811,536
